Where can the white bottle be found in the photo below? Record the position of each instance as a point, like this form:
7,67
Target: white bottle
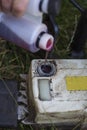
34,7
37,7
26,32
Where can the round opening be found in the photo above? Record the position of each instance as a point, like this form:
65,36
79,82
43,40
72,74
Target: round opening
49,44
46,69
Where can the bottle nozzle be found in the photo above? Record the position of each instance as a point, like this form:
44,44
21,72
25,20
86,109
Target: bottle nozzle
46,42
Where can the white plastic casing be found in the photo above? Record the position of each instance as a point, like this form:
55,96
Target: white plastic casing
61,106
33,7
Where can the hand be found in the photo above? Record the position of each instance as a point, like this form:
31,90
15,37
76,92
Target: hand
16,7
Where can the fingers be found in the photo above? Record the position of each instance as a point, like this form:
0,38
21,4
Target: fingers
6,5
19,7
16,7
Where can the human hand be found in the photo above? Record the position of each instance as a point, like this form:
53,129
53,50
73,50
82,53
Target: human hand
15,7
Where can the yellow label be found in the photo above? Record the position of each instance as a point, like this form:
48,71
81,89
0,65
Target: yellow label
76,83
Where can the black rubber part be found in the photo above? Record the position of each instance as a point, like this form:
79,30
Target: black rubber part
38,39
80,37
8,106
54,7
40,5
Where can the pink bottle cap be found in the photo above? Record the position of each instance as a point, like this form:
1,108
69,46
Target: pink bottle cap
46,42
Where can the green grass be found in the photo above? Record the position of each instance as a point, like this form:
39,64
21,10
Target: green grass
15,60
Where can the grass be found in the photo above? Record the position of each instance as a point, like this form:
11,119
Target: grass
15,60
